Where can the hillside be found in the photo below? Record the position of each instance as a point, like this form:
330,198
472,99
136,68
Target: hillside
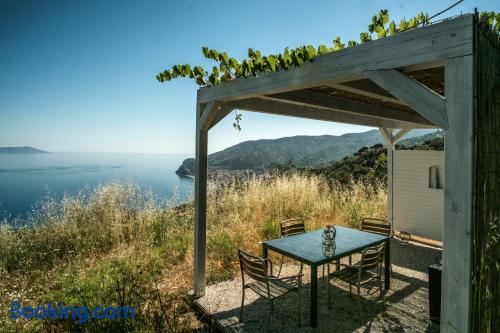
22,150
300,151
370,164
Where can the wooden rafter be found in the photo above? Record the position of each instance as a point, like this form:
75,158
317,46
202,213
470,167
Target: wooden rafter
281,107
341,104
420,98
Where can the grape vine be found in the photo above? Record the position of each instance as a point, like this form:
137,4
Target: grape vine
229,68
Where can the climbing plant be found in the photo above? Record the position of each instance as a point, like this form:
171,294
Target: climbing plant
227,68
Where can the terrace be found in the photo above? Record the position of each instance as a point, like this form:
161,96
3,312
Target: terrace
402,308
436,76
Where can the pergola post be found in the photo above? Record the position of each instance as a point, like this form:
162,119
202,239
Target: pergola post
387,134
200,202
390,139
458,210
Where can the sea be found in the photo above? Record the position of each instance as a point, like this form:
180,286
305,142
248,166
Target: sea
26,179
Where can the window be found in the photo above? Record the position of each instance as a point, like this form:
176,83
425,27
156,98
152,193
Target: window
434,179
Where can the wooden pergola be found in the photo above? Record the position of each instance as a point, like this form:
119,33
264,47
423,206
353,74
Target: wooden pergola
422,78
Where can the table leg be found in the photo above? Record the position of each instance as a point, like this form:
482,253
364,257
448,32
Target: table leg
387,264
264,256
314,296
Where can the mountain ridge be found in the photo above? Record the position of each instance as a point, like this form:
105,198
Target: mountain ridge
301,151
22,150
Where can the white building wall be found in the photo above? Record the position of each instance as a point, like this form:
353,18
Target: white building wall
418,209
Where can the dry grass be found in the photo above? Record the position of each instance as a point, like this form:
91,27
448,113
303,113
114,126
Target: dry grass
250,211
78,249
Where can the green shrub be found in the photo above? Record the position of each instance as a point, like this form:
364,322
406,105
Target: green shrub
270,229
221,247
175,245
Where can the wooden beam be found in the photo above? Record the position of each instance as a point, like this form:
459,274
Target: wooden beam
420,98
200,212
280,107
357,91
220,114
428,44
387,134
207,115
458,198
310,98
396,137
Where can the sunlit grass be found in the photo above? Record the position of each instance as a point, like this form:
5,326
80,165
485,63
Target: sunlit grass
117,245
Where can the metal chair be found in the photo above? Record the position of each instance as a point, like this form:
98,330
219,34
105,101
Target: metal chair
289,228
264,284
368,269
292,227
376,226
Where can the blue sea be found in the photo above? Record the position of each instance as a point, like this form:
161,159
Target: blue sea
26,179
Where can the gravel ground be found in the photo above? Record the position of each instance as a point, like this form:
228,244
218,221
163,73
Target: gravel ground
404,308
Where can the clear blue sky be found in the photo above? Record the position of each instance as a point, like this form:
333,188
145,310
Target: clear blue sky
80,75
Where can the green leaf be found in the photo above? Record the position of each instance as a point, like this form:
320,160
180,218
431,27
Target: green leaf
200,80
337,44
322,49
272,62
223,57
392,28
380,32
385,16
402,25
251,53
204,50
311,51
365,37
198,70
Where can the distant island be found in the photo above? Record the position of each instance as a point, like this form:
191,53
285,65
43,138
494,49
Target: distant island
22,150
298,151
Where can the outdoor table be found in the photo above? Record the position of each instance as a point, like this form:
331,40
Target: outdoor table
307,248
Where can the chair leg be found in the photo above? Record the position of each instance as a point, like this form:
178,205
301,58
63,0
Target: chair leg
328,285
350,289
272,305
242,304
281,265
268,325
299,305
358,301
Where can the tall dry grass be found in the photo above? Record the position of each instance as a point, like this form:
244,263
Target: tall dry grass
79,249
243,213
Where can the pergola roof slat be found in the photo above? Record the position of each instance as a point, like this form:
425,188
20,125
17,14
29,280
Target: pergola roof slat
270,105
419,46
341,104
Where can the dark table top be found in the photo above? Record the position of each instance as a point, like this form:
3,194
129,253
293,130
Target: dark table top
308,247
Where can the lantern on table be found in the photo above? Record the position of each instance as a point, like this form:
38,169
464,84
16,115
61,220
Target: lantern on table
329,245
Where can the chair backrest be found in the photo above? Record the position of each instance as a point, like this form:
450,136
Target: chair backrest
376,226
371,258
252,266
292,227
